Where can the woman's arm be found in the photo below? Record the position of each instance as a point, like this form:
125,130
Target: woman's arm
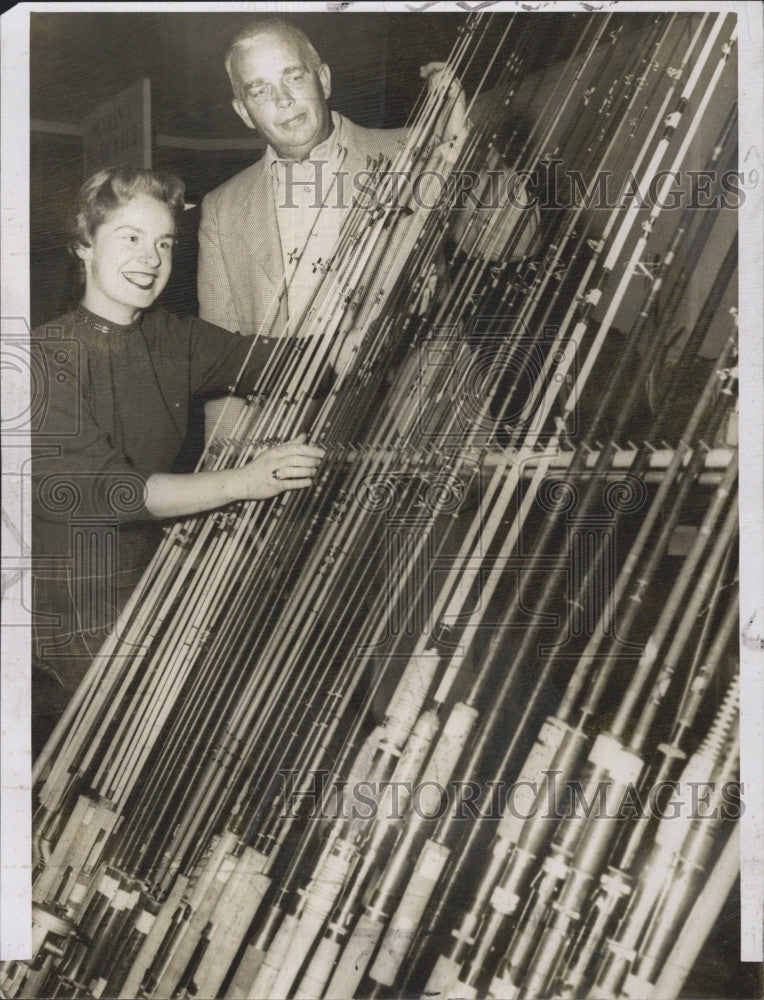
288,466
102,481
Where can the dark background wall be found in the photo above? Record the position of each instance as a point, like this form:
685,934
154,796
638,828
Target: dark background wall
79,60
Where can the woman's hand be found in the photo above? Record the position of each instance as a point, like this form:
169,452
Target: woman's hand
288,466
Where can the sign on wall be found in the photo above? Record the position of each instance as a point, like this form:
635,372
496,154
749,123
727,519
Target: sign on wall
119,130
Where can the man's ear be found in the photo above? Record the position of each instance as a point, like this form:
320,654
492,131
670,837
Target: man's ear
325,76
240,108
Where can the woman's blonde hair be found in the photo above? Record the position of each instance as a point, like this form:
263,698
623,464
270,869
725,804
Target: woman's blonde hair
113,187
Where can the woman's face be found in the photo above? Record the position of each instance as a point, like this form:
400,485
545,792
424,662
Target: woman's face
130,259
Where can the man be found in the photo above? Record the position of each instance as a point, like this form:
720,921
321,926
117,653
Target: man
264,231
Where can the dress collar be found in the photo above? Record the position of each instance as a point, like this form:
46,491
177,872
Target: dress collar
102,325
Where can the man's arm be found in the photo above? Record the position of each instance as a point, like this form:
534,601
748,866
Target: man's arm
453,125
213,287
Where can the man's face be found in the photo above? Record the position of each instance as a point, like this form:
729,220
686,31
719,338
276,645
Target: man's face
280,95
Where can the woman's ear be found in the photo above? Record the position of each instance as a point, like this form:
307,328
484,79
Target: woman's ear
83,251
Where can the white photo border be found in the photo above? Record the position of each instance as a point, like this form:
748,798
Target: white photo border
15,769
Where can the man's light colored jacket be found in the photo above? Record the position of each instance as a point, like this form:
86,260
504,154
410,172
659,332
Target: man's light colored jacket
241,268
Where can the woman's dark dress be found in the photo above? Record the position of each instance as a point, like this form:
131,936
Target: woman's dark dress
111,408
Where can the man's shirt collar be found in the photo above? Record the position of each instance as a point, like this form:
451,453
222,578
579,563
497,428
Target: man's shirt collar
333,147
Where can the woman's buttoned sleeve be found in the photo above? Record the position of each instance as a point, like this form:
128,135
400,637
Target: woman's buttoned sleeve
221,361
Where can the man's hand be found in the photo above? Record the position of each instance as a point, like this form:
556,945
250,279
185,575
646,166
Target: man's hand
441,80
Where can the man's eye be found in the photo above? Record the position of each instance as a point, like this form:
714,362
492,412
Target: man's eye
258,93
295,75
168,245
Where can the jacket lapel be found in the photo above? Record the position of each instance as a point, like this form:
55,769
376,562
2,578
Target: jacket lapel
359,155
259,290
257,229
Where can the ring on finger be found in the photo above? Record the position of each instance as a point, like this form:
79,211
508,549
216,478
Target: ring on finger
275,474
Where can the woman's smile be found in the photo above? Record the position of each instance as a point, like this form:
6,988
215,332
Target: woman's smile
143,279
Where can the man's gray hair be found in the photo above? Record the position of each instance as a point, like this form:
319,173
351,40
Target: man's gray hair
272,24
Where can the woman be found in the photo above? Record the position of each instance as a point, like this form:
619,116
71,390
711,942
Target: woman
116,390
